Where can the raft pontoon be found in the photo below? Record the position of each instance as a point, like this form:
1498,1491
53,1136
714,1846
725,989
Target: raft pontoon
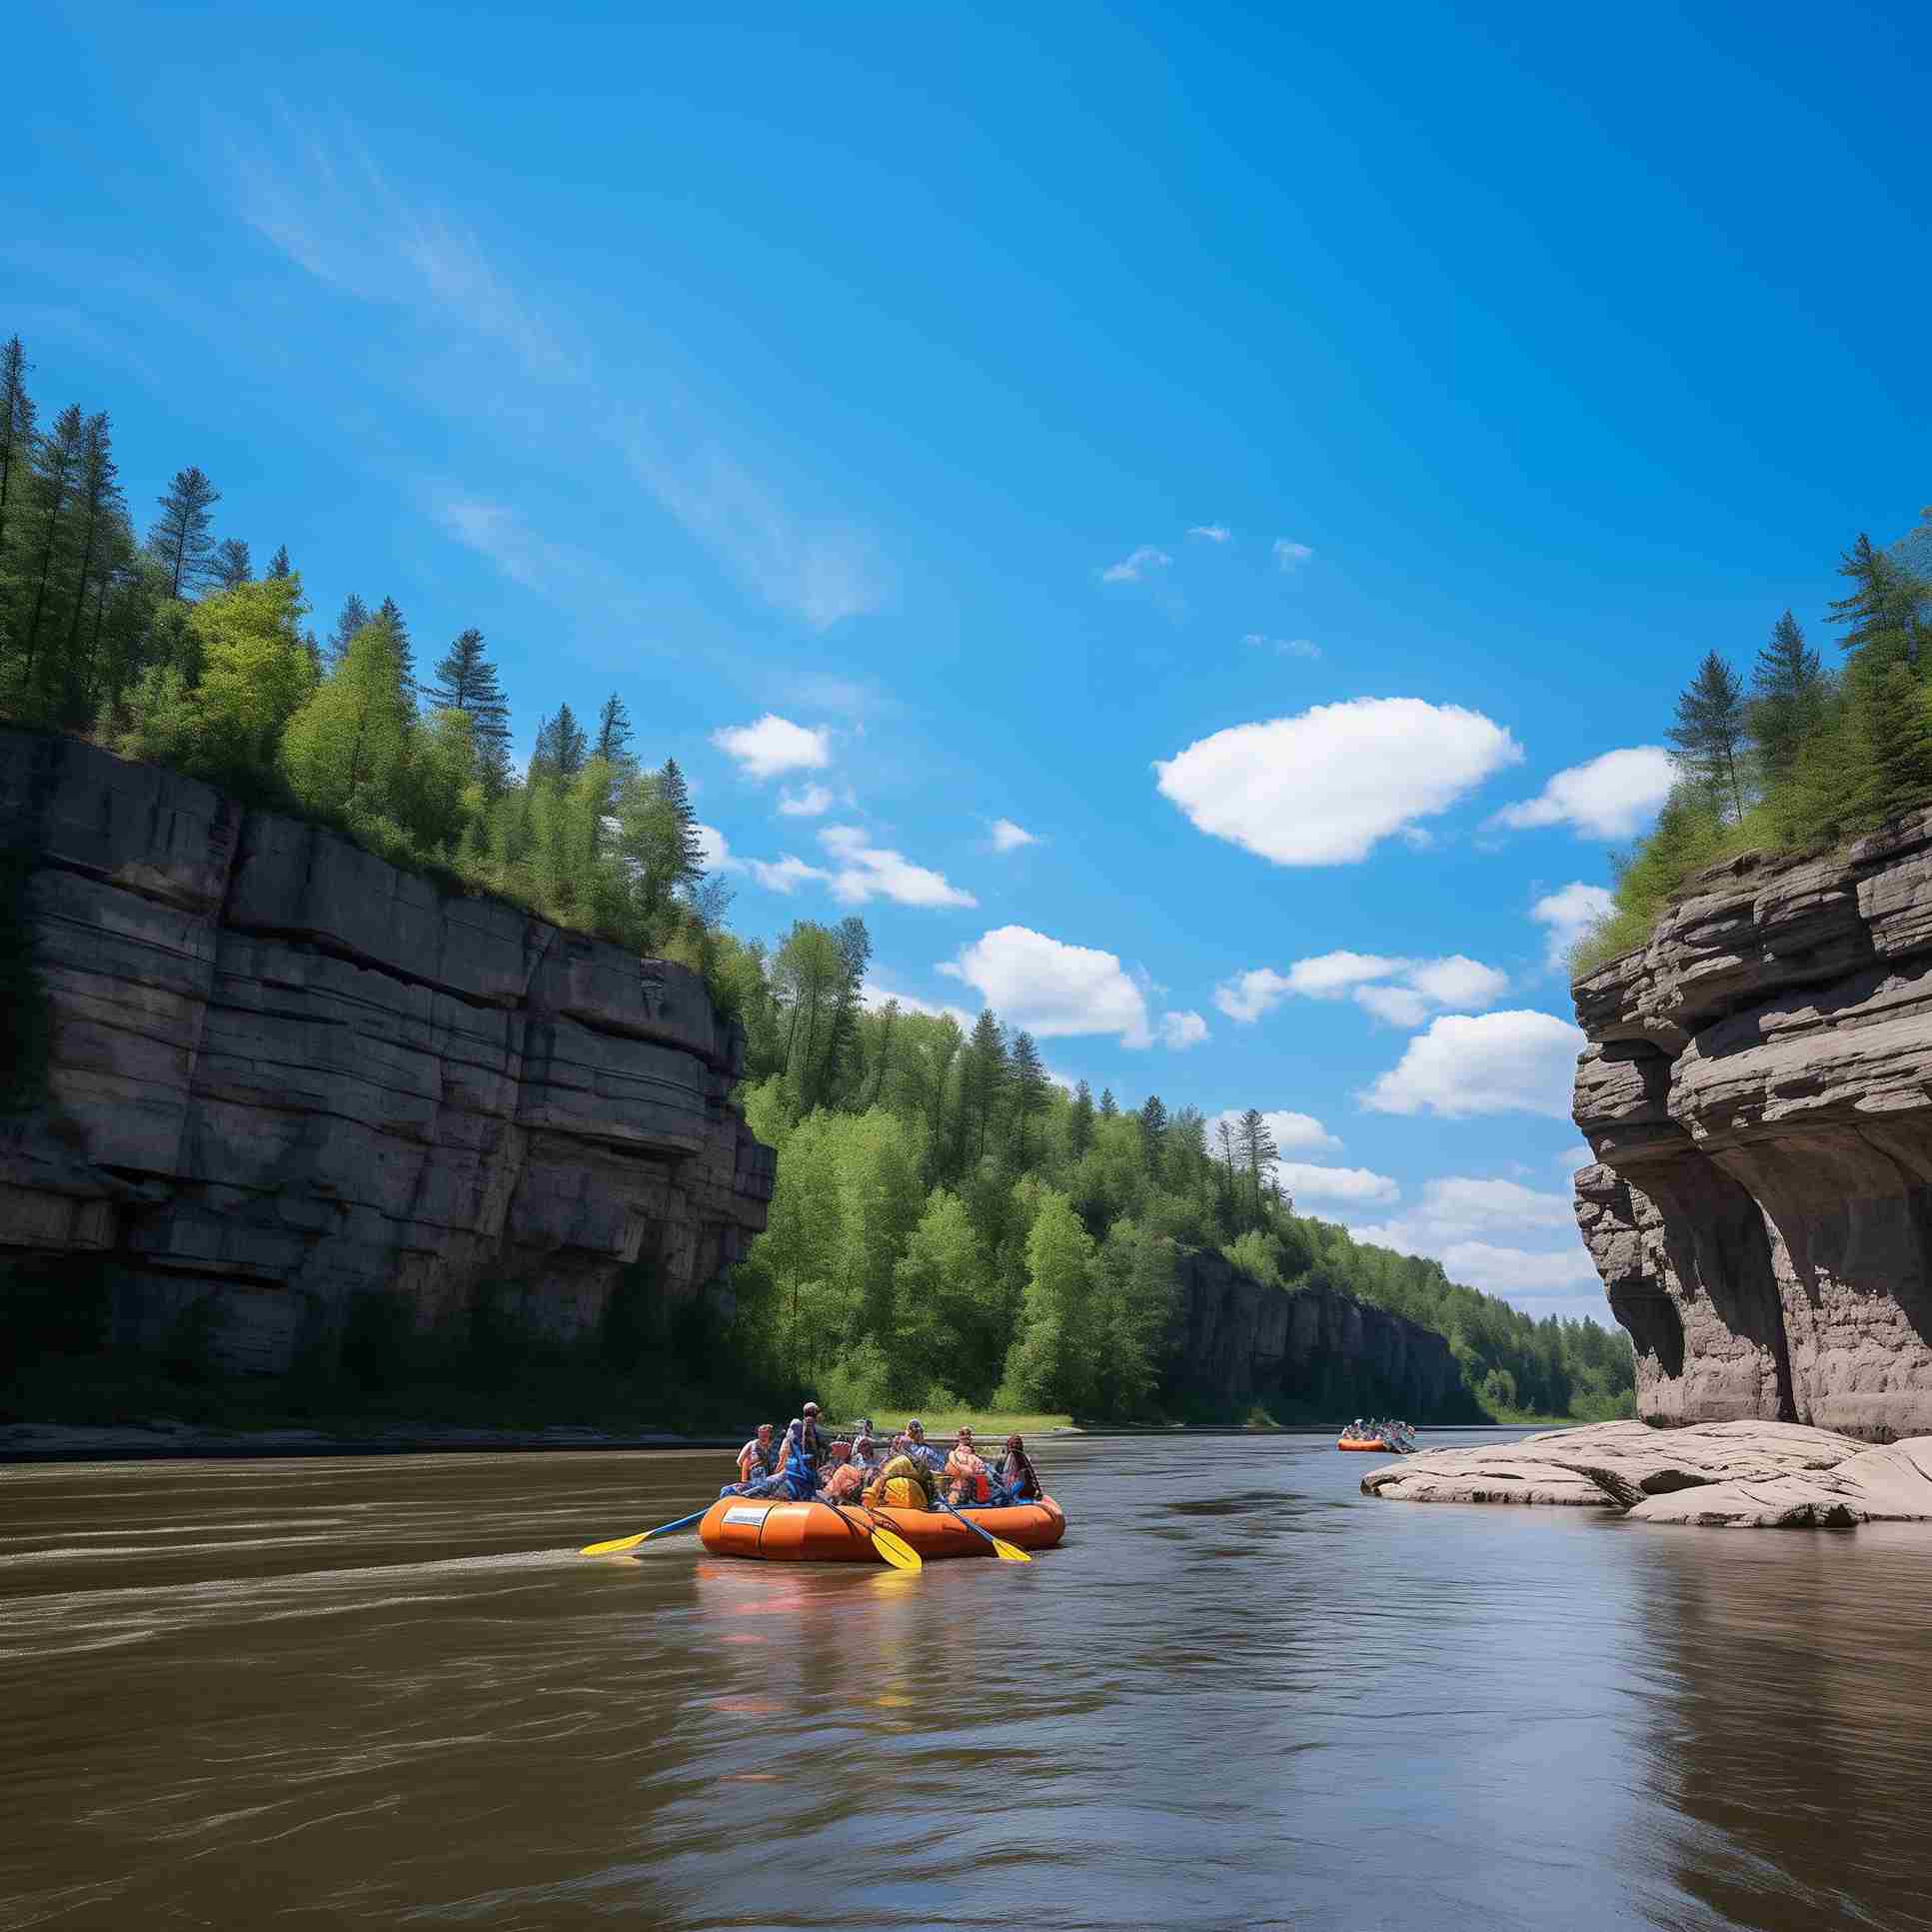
815,1532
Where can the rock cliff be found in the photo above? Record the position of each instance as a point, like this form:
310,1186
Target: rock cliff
285,1073
1758,1095
1235,1340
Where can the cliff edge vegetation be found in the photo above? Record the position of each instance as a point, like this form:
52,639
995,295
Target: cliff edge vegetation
1802,755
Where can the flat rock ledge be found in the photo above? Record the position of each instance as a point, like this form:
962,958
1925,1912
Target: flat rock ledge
1736,1475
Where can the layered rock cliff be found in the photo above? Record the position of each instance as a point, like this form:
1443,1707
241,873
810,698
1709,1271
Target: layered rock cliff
285,1073
1758,1095
1235,1341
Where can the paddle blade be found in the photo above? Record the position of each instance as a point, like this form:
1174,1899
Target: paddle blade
611,1549
895,1550
1005,1551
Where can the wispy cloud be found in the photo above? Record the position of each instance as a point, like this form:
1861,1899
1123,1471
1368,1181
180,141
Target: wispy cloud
1290,555
315,193
772,745
1131,568
1284,647
1210,533
811,802
1008,837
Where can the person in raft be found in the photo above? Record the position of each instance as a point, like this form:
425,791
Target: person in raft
965,1473
815,1439
842,1479
1017,1474
904,1481
922,1450
758,1466
864,1454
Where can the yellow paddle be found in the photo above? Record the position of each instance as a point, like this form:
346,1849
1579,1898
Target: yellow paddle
891,1548
1005,1551
642,1536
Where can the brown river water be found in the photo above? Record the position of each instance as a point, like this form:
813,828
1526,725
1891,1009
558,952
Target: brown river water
384,1691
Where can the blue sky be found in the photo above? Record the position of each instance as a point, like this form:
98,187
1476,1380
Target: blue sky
1283,470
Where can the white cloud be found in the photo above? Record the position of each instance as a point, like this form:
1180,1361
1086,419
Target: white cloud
1393,1005
1496,1062
785,874
1609,798
809,803
1213,532
1248,995
1468,1224
1569,913
865,871
1293,1132
1182,1029
774,745
1052,988
1289,554
1131,569
1307,1182
1575,1158
1400,992
1008,837
1284,647
713,849
1322,787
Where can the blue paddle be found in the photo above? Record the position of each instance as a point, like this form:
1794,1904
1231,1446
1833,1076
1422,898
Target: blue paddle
645,1536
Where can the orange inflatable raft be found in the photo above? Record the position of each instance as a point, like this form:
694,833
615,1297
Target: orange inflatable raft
1364,1443
811,1532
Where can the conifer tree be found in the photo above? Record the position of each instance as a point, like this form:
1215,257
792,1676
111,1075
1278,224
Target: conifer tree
1258,1153
1787,699
466,681
983,1078
1153,1132
17,417
353,616
279,565
389,612
230,567
1080,1121
180,540
56,478
1030,1089
561,747
1881,612
1710,731
100,506
1897,733
688,846
1110,1106
613,742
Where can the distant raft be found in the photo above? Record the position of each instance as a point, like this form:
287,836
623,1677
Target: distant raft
814,1532
1393,1443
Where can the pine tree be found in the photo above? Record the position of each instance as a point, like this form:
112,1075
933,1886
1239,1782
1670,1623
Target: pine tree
353,616
1897,733
1079,1121
561,747
1710,730
230,567
101,505
1029,1090
180,540
1881,614
689,864
1110,1106
1254,1141
56,478
983,1077
279,565
466,681
613,732
389,612
1787,699
1153,1132
17,437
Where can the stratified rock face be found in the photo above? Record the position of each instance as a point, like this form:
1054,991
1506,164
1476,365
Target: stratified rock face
285,1072
1758,1095
1756,1476
1234,1340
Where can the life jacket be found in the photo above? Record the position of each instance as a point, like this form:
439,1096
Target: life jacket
902,1483
843,1484
963,1466
757,1458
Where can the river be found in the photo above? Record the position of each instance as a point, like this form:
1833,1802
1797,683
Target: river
384,1691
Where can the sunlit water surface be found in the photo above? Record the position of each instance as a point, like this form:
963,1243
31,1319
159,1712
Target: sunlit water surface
384,1691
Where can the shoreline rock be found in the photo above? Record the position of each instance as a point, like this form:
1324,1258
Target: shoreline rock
1736,1475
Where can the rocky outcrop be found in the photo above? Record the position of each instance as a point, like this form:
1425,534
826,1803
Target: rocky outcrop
1722,1474
1758,1095
286,1073
1237,1341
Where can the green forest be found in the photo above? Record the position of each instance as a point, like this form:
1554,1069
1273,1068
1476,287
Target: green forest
1799,754
949,1225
